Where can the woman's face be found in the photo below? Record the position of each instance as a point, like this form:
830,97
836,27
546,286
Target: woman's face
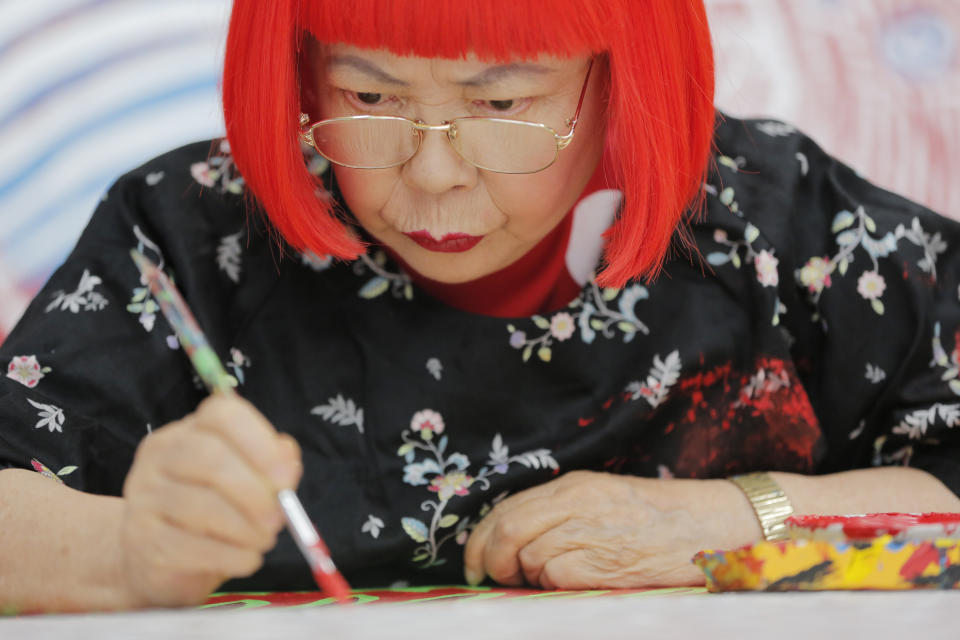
420,208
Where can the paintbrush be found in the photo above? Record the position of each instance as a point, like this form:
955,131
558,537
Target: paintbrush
217,380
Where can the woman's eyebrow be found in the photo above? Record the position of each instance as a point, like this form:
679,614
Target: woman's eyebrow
488,76
495,74
364,66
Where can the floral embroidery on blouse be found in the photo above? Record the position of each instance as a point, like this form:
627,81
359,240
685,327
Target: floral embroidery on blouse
219,171
142,302
154,178
776,129
447,475
340,411
399,284
435,368
875,374
26,370
85,297
916,423
44,470
373,525
315,262
950,363
663,375
764,262
229,255
50,416
590,313
858,229
237,363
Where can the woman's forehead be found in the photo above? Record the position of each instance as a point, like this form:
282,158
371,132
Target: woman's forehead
390,68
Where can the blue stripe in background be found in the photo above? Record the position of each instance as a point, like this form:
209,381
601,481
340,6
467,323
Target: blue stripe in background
90,128
51,91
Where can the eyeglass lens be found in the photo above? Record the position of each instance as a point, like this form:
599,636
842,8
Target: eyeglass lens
496,145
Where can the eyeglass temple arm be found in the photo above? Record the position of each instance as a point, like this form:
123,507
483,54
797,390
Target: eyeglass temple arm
563,141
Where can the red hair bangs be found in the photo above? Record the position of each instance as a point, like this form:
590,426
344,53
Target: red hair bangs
660,115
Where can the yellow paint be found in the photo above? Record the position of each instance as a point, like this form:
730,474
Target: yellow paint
877,565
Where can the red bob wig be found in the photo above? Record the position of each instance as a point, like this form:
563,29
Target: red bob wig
660,115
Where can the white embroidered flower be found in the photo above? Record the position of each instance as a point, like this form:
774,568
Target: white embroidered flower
229,256
372,526
50,416
427,422
26,370
562,326
340,411
766,265
871,285
83,298
435,367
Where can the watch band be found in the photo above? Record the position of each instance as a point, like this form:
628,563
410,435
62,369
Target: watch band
769,503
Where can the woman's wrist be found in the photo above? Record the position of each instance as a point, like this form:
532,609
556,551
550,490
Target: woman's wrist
723,513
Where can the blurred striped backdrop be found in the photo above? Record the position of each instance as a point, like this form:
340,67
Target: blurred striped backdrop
92,88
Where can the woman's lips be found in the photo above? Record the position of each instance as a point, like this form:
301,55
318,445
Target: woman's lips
450,243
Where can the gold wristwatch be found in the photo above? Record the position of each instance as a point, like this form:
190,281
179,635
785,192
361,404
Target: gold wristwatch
769,502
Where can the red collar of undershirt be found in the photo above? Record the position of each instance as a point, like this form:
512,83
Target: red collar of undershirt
538,282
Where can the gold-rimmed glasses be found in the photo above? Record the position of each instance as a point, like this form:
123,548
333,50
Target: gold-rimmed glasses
493,144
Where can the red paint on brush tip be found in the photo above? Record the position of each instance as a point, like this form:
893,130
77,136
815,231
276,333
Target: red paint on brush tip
326,575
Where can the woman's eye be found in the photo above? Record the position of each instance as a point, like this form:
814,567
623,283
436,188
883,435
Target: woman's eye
369,98
511,106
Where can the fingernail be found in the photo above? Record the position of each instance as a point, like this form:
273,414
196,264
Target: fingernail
473,577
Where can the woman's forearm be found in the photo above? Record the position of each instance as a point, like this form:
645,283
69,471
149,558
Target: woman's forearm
876,490
59,548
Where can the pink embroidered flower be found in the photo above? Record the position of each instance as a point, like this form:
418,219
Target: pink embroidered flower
201,173
815,275
871,285
26,370
561,326
766,265
454,483
719,236
428,422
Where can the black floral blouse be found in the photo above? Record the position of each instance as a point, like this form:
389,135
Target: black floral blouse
818,330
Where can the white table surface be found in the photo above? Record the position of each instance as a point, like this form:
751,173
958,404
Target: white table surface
928,615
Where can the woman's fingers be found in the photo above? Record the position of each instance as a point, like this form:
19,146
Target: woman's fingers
202,510
200,458
201,500
494,547
238,423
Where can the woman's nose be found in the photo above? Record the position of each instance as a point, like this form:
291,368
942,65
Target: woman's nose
437,168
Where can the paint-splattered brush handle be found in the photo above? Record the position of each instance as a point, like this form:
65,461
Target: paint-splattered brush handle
217,380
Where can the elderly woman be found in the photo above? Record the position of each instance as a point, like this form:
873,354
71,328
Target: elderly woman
506,299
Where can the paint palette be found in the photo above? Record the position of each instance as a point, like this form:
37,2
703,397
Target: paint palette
888,551
903,527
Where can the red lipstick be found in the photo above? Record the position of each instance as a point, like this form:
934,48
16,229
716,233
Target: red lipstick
450,243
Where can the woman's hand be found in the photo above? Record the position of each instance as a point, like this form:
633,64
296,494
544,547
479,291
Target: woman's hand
201,502
597,530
